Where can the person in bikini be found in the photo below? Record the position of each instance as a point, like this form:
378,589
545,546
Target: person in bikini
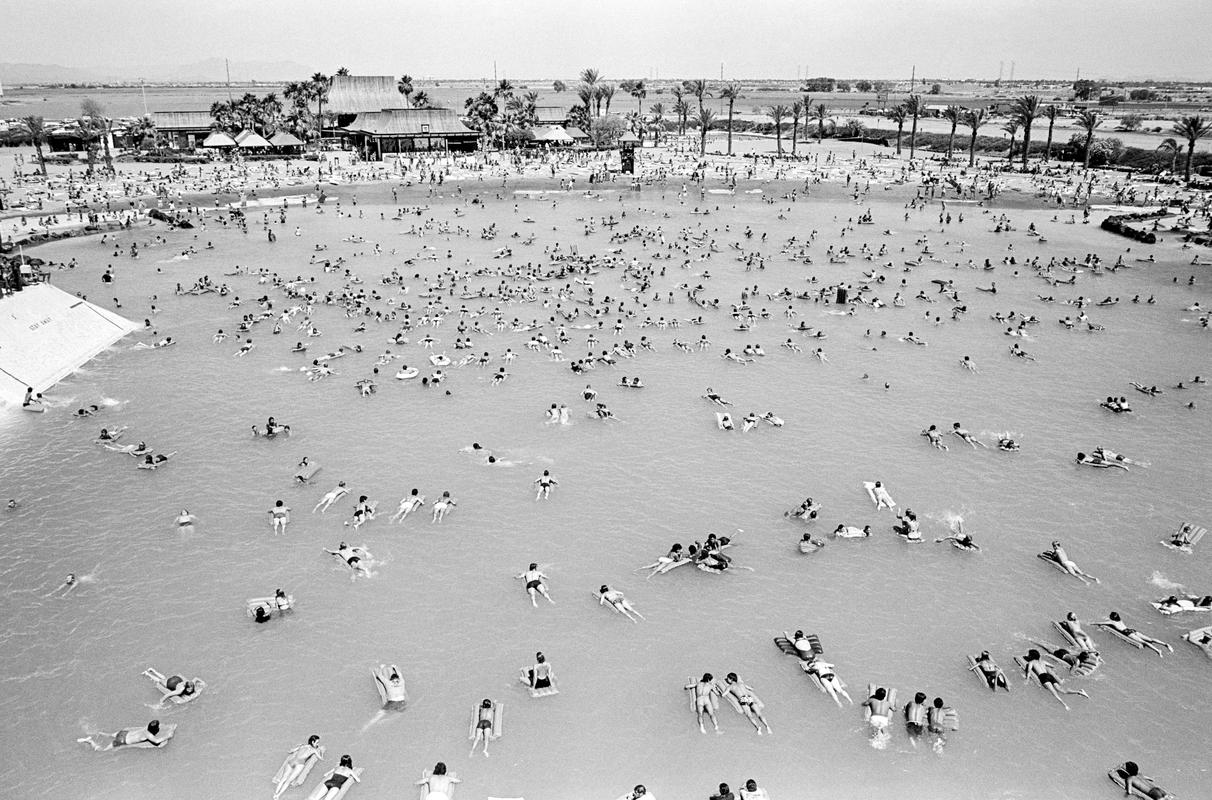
991,672
1115,623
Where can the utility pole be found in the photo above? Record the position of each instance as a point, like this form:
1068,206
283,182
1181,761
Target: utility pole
143,89
1011,72
721,70
227,66
912,78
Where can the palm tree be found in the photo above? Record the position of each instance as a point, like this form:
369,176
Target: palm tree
974,119
682,109
658,122
731,93
140,130
1011,127
953,114
698,88
777,114
404,85
822,116
1026,109
1051,112
420,99
914,108
639,91
1191,129
99,126
635,123
1172,147
320,84
37,132
797,109
342,70
269,113
680,96
590,78
705,119
607,91
585,94
898,115
1088,121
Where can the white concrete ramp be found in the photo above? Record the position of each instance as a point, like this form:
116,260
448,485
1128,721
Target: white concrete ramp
46,334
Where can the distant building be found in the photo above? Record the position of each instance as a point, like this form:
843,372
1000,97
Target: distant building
184,130
409,130
351,95
551,115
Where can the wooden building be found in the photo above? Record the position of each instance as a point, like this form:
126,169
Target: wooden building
351,95
184,130
409,130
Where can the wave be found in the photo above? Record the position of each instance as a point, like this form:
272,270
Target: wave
1162,582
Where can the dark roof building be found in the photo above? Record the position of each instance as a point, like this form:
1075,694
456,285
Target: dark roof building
408,130
551,115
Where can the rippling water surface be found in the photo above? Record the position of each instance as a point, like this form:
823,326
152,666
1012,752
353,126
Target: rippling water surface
443,605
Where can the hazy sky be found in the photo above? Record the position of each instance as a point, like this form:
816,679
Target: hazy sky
628,38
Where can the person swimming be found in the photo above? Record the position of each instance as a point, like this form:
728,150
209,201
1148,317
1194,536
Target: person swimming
616,600
534,584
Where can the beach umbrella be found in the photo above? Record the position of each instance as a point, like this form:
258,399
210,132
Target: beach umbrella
250,139
284,139
219,139
553,134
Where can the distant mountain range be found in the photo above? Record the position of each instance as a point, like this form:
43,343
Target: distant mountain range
212,70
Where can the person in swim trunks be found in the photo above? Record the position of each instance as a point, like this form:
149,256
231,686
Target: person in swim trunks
352,556
483,730
1134,781
127,737
1033,665
879,709
534,584
751,707
915,715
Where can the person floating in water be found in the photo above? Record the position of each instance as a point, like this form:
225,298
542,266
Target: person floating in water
534,584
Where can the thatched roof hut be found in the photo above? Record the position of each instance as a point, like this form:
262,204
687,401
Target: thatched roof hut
356,94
